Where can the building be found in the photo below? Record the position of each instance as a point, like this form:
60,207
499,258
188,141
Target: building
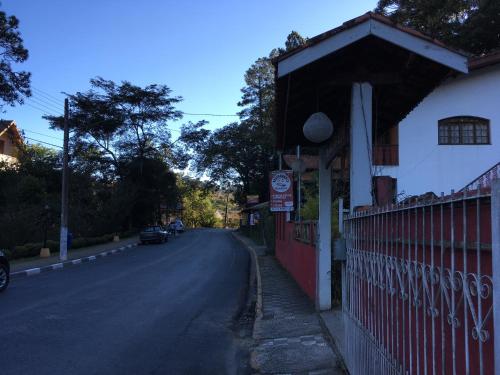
450,138
420,280
10,139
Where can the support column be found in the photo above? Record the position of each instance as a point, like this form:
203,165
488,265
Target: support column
324,244
361,145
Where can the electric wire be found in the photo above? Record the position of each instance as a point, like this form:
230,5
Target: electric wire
209,114
47,95
46,143
42,134
59,107
38,103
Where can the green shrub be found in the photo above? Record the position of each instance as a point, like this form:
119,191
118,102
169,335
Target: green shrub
33,249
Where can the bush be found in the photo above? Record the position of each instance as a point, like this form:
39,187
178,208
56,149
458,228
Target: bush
33,249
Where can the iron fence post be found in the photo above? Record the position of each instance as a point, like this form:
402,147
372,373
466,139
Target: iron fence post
495,254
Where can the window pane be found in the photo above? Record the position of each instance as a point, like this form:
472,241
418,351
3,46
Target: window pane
467,133
481,133
443,134
454,134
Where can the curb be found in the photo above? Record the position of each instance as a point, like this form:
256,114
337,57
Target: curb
334,344
73,262
258,304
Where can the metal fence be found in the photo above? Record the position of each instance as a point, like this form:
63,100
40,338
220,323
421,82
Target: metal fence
485,179
418,289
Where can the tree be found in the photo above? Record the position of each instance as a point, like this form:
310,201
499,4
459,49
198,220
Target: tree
122,121
240,152
471,25
294,40
14,85
198,203
121,138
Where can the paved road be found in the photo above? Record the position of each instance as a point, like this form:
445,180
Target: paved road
157,309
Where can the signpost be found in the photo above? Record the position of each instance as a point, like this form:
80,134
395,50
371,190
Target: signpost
281,191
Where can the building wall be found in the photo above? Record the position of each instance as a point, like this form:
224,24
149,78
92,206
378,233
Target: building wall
9,151
426,166
9,148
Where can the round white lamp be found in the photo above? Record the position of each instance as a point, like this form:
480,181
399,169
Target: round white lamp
318,127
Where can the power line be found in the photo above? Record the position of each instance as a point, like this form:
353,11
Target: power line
44,135
47,95
46,143
41,110
209,114
37,102
45,101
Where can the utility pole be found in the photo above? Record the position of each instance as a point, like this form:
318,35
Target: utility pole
225,215
63,240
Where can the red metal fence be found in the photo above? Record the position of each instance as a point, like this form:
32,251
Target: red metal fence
417,287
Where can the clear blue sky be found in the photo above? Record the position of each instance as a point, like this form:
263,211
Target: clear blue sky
200,49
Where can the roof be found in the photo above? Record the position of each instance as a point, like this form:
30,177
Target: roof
4,125
9,126
484,61
256,207
371,24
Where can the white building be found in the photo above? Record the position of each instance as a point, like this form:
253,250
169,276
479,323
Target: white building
452,136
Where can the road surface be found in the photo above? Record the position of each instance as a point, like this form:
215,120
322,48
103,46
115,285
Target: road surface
155,309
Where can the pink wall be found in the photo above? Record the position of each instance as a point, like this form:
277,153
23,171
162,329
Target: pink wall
298,258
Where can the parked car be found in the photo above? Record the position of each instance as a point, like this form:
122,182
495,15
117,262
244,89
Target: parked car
4,272
154,233
172,228
179,226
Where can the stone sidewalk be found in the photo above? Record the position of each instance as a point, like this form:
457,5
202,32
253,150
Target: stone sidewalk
289,338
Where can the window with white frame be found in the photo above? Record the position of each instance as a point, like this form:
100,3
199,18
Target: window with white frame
464,130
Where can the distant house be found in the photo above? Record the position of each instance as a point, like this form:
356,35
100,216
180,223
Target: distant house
10,139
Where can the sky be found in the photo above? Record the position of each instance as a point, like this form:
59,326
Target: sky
200,49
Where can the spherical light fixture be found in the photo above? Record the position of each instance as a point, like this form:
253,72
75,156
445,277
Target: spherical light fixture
318,128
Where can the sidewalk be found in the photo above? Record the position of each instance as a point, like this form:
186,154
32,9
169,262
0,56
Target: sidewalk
289,338
37,262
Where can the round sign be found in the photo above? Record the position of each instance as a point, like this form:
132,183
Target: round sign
281,182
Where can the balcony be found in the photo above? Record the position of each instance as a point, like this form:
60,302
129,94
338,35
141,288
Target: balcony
385,155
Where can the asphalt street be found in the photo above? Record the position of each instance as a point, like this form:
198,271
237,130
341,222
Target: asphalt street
156,309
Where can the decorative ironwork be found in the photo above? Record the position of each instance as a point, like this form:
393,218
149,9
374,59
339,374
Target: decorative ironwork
418,288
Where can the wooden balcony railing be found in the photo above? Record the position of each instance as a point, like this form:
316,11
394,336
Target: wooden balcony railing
305,231
385,155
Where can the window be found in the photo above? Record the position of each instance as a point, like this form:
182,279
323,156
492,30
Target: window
2,146
464,130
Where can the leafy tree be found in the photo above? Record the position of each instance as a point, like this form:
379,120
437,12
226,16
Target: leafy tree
471,25
240,152
114,121
14,85
198,203
294,40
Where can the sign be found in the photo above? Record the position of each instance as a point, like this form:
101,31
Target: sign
281,191
252,199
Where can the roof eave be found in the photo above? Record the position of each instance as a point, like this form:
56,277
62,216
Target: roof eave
363,27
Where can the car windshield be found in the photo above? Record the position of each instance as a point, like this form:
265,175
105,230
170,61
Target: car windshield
151,229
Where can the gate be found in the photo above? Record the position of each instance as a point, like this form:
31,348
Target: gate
418,289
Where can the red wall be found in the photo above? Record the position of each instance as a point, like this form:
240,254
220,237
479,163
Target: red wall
297,257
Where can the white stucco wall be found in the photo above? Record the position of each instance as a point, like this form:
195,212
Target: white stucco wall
426,166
